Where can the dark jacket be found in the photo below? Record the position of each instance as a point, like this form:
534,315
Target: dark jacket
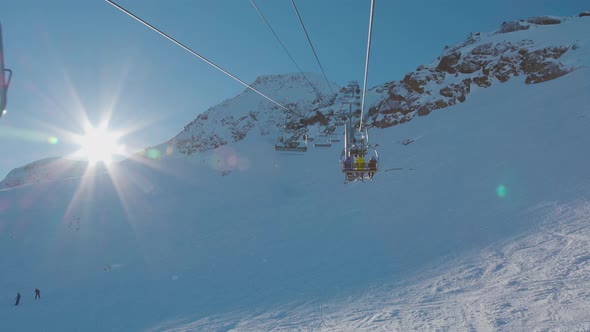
373,164
348,163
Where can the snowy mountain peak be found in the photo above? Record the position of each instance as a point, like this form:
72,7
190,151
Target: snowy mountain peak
534,50
235,118
481,224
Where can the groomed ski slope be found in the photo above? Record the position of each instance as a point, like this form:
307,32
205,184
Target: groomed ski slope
535,282
453,223
486,261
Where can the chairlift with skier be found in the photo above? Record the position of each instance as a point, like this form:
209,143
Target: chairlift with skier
359,159
356,142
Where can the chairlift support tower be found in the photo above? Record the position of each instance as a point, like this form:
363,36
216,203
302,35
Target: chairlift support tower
5,76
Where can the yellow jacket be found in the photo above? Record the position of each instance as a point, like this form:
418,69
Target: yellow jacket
360,163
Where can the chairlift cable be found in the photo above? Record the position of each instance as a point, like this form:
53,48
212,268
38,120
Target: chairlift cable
285,48
195,54
367,63
310,44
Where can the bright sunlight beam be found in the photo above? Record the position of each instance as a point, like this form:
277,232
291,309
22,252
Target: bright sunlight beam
99,145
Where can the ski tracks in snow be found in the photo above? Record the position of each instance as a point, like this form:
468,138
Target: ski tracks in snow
539,281
536,282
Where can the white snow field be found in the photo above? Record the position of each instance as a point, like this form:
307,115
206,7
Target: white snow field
481,223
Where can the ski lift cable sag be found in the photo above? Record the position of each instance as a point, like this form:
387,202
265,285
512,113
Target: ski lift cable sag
310,44
367,63
196,54
284,47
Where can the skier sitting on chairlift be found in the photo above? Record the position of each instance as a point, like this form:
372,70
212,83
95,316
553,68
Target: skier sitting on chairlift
372,167
360,166
348,164
348,167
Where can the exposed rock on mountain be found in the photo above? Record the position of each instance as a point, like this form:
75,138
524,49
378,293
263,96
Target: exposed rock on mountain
534,56
479,61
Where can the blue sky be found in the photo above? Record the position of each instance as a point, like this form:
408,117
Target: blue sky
73,57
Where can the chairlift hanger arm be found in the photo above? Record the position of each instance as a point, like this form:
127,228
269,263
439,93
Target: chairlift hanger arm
7,82
4,80
367,62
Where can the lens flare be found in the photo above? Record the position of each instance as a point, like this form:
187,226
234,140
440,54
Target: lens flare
226,159
501,191
154,154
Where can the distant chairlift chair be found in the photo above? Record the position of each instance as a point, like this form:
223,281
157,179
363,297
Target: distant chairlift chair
328,137
291,144
323,144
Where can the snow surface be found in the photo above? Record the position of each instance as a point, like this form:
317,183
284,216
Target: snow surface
478,224
45,170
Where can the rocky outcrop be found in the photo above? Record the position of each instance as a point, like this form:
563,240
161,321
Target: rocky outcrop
450,82
234,119
519,25
513,26
457,91
448,62
543,20
549,72
470,64
198,143
473,63
540,66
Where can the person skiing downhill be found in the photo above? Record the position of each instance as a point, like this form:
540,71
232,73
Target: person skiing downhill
37,294
17,298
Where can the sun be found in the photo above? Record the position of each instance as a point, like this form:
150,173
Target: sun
99,145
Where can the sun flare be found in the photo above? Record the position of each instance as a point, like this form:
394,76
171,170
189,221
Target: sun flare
99,145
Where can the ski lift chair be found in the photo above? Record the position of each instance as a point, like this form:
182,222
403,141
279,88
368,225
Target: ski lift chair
350,168
291,144
325,144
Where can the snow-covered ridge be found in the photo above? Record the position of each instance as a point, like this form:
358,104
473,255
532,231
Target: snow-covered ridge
535,50
234,119
526,24
45,170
